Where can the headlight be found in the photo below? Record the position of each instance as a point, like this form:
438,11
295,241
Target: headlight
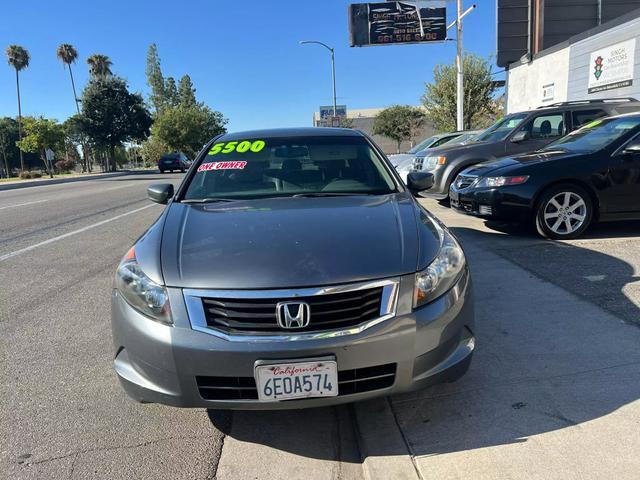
501,181
431,163
442,273
142,293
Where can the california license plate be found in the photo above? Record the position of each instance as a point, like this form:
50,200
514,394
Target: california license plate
285,381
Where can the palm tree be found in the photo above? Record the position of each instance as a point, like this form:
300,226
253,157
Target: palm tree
68,55
99,65
18,58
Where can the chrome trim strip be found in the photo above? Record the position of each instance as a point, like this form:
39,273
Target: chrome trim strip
195,309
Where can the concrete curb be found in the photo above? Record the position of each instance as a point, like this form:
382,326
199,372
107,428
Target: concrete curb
53,181
384,451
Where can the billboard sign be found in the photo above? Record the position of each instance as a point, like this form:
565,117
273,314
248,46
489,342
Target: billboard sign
612,67
391,23
326,111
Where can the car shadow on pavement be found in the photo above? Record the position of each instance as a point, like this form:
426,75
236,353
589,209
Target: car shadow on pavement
548,359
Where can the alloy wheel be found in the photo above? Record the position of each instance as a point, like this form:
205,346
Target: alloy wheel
565,213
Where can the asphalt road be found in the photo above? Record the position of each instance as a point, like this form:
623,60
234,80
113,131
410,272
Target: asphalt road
62,412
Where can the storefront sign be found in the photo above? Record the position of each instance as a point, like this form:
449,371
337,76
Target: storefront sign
612,67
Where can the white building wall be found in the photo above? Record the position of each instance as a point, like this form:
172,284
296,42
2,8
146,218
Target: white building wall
527,83
568,70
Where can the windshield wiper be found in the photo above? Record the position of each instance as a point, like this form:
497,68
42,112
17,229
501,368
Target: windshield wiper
208,200
328,194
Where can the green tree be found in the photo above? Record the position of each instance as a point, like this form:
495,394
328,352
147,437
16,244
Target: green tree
155,79
398,122
99,66
186,130
68,55
39,134
18,57
152,149
186,92
112,115
170,93
8,138
440,98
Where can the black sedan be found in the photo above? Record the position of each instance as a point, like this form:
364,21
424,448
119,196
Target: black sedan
589,175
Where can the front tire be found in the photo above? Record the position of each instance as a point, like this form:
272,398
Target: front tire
564,212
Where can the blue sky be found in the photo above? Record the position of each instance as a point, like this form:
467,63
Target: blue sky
243,56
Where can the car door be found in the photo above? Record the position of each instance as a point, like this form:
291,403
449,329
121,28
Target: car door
539,131
623,194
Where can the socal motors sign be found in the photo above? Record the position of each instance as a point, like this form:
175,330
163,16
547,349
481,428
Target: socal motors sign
612,67
388,23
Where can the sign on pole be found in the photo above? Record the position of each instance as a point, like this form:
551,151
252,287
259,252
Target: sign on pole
389,23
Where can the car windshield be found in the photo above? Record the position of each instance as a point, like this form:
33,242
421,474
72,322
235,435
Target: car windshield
595,135
287,166
423,145
499,130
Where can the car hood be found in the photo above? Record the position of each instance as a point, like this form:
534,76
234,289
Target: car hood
293,242
503,165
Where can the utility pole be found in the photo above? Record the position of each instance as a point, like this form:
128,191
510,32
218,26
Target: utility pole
459,64
460,85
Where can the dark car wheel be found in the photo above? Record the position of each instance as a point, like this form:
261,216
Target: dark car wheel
161,171
564,212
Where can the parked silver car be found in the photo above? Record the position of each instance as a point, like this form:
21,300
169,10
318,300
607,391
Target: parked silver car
406,163
291,269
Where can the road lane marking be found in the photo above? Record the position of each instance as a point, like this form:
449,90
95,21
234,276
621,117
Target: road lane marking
22,204
69,234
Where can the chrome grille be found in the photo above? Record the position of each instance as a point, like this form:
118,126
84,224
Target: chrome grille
464,181
250,315
258,315
417,163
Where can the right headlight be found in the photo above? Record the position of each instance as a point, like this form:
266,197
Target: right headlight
142,293
442,273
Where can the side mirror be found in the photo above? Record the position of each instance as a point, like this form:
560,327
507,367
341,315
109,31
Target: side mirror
633,147
160,192
520,136
419,181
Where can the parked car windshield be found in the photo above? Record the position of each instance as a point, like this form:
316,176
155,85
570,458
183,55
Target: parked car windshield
595,135
287,166
499,130
422,145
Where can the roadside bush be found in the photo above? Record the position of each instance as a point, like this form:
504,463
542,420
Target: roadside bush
65,165
27,175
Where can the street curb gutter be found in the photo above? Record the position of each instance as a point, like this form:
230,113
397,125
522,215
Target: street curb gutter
53,181
385,454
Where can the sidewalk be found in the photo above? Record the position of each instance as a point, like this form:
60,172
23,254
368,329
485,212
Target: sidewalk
552,392
12,185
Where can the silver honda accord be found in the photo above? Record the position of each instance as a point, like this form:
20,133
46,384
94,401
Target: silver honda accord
291,268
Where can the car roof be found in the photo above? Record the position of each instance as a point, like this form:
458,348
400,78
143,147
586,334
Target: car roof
293,132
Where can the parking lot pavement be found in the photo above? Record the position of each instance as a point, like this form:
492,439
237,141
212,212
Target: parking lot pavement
554,388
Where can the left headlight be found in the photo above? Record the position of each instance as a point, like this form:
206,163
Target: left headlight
142,293
501,181
442,273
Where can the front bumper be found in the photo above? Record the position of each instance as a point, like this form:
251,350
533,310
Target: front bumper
162,364
503,204
440,188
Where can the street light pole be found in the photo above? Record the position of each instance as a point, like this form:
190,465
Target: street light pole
333,70
460,83
459,64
